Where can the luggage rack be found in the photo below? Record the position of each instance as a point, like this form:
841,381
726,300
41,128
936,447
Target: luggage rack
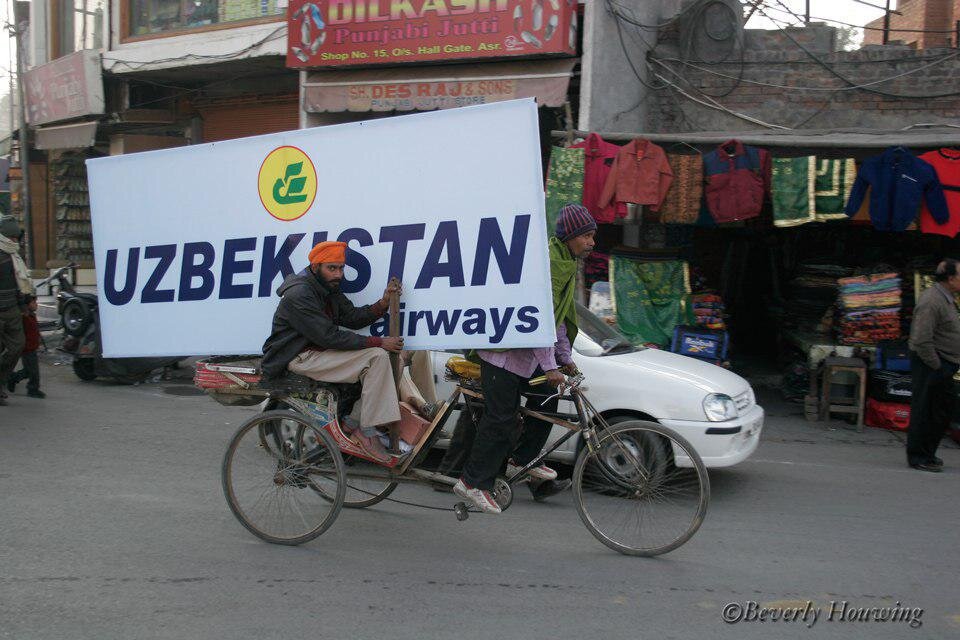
238,380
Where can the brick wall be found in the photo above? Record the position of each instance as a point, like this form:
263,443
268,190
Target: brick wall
930,15
771,57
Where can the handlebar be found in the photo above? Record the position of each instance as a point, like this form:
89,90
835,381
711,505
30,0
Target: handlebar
572,382
57,274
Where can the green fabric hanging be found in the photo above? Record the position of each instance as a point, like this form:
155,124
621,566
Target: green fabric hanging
792,191
651,298
564,182
563,276
834,180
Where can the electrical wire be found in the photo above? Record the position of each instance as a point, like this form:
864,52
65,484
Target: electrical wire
133,65
190,91
868,28
697,15
834,72
950,56
626,53
713,104
649,27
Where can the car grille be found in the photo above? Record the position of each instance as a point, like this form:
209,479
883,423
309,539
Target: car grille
744,401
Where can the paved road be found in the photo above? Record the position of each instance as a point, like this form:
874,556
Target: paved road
112,525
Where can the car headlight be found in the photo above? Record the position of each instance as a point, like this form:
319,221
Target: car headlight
720,407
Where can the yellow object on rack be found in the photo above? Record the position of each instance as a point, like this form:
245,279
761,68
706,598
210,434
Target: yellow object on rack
464,368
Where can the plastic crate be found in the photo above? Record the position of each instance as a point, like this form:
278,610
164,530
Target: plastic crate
704,344
888,415
893,355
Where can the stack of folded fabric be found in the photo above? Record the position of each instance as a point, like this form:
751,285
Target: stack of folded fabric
869,309
811,294
708,311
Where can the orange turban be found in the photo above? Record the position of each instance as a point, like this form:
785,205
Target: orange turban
329,251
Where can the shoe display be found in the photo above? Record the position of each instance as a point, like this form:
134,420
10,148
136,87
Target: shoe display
542,472
479,498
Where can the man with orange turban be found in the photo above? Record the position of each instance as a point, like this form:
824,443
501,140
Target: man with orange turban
308,339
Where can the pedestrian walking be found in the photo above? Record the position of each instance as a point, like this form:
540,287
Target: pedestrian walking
15,286
935,359
29,358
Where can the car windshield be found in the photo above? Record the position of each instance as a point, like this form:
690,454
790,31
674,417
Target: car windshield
597,338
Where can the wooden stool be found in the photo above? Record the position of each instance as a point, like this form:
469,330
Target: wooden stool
828,404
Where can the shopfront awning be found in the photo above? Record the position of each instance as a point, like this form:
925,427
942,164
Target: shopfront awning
67,136
437,87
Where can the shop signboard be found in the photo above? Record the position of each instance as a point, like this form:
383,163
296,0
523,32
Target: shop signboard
342,33
191,249
68,87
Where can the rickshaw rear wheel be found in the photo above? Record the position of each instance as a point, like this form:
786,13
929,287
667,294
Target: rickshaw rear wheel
274,491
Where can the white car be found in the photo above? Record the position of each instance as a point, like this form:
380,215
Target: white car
714,409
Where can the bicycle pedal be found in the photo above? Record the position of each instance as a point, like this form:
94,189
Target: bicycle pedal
462,511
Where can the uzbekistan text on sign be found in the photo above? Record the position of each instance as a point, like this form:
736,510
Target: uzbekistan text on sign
194,261
326,33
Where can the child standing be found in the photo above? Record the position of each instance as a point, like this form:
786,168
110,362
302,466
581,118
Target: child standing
31,363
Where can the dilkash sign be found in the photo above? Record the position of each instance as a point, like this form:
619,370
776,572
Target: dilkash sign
337,33
191,264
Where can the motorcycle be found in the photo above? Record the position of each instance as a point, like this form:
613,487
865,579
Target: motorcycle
79,317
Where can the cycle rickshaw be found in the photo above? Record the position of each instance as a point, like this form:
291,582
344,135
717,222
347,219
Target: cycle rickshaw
288,471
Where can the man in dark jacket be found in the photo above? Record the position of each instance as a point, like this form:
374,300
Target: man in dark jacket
15,286
307,339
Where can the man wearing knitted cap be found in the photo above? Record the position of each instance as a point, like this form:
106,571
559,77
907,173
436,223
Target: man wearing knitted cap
307,339
504,375
15,286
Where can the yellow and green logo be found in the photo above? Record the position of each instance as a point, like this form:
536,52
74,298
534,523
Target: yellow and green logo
287,183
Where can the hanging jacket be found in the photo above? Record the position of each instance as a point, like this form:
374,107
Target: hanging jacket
899,181
946,162
640,174
598,155
737,178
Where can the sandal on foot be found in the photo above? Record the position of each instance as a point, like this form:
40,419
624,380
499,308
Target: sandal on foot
371,446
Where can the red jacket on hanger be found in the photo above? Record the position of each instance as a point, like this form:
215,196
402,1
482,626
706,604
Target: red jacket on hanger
598,155
946,162
640,174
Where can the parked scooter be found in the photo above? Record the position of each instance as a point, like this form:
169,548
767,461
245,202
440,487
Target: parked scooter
79,317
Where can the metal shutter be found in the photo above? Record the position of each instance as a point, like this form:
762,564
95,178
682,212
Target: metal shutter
249,116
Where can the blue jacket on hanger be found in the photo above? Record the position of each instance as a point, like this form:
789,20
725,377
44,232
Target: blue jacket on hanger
898,179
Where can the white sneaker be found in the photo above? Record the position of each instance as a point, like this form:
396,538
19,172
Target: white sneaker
543,472
479,498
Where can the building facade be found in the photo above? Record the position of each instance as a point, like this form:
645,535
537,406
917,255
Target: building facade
921,24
